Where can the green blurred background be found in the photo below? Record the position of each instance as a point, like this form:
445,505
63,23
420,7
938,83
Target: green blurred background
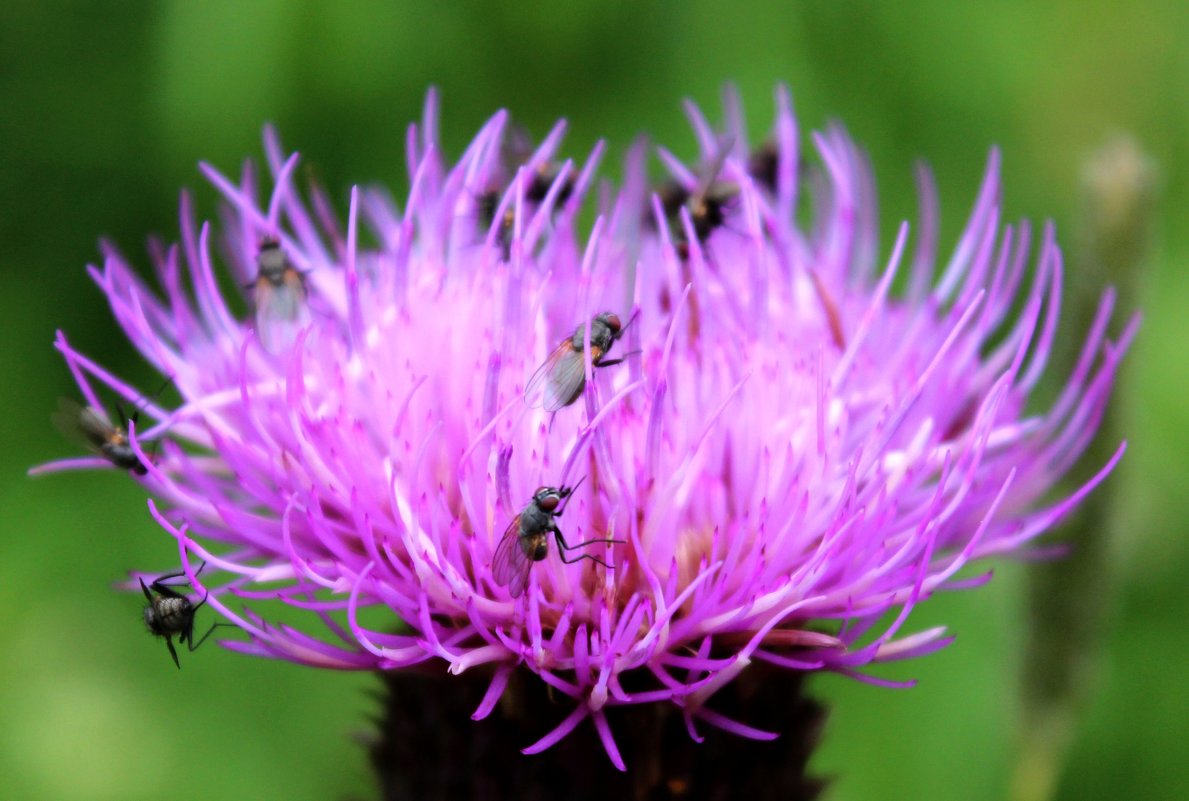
105,109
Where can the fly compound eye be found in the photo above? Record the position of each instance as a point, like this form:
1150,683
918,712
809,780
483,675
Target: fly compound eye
612,322
548,501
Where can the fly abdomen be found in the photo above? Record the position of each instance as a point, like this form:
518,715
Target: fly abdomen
167,615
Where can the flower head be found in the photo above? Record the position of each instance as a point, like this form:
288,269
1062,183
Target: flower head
789,437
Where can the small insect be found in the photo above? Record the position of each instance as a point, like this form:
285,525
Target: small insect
519,150
488,204
279,296
707,203
763,164
169,613
672,195
90,427
542,181
526,540
559,381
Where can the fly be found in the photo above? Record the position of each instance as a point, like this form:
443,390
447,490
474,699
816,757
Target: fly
169,614
526,540
488,204
707,203
559,381
279,296
90,427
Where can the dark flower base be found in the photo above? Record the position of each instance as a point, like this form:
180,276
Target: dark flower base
428,748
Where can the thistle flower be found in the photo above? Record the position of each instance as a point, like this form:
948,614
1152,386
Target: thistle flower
807,436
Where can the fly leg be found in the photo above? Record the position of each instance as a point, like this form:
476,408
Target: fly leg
563,546
194,645
160,586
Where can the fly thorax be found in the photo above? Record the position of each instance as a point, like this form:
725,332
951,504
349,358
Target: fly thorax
533,520
272,265
579,336
600,336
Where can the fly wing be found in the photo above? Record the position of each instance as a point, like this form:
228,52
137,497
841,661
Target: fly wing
565,382
558,381
511,564
281,310
81,425
282,301
710,176
519,583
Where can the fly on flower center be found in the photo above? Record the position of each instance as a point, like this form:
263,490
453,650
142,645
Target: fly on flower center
519,150
702,208
692,210
279,297
559,381
544,181
526,540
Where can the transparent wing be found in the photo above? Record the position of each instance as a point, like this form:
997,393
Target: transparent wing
710,176
281,310
511,564
81,425
566,381
558,381
283,302
519,584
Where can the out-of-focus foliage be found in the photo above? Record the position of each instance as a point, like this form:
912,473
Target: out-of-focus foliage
106,109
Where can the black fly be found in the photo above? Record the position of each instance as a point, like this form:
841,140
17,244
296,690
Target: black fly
526,540
169,613
487,204
707,203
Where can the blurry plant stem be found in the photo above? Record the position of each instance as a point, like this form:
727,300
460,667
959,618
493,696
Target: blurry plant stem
427,746
1068,598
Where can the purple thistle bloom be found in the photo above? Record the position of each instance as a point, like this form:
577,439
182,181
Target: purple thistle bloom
792,454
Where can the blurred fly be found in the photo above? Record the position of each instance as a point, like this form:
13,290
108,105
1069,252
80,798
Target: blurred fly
559,381
488,204
519,150
526,540
90,427
544,176
169,614
763,165
279,296
707,203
